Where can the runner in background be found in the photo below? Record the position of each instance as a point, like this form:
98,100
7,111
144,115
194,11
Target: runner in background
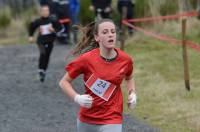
104,67
43,2
74,11
101,6
129,5
52,6
47,33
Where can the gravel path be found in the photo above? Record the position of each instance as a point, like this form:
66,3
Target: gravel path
26,105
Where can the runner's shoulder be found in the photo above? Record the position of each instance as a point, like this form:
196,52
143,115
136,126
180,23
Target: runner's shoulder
124,55
88,54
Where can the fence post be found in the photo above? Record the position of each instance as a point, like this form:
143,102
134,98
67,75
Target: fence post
185,56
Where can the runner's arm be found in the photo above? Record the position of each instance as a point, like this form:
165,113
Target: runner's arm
130,84
56,25
65,84
33,26
84,100
132,98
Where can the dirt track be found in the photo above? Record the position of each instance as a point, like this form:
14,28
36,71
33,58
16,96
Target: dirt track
26,105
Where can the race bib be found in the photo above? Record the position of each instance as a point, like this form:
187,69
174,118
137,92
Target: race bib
44,29
100,87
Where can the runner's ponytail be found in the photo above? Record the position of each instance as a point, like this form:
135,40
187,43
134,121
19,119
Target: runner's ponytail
87,42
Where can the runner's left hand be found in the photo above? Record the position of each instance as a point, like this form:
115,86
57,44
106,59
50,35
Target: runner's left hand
51,29
31,39
132,100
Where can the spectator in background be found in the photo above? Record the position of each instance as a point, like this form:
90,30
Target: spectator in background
101,6
74,11
63,14
129,5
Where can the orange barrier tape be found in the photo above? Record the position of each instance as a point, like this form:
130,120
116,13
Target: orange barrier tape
193,45
163,37
186,14
66,20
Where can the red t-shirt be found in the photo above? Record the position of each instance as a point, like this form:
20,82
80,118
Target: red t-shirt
102,112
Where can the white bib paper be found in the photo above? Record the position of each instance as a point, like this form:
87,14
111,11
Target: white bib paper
45,29
100,87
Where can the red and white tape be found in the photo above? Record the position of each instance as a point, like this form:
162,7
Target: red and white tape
168,17
172,40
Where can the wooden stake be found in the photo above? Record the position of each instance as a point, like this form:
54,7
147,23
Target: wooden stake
185,56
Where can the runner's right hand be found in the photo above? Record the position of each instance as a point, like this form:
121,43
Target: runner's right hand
31,39
84,100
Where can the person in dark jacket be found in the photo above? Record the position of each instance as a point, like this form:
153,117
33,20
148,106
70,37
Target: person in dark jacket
60,9
74,11
101,6
47,33
129,5
63,14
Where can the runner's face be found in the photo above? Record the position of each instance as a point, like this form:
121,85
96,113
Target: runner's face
45,11
106,36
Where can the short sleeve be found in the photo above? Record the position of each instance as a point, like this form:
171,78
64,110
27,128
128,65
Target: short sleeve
129,69
75,67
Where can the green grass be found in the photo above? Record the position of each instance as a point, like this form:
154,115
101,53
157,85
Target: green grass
16,32
17,36
163,101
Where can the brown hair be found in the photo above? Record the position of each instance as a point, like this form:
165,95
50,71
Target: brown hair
87,42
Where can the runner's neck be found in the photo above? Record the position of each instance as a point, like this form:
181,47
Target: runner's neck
108,55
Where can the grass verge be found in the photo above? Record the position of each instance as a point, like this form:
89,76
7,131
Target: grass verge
163,101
